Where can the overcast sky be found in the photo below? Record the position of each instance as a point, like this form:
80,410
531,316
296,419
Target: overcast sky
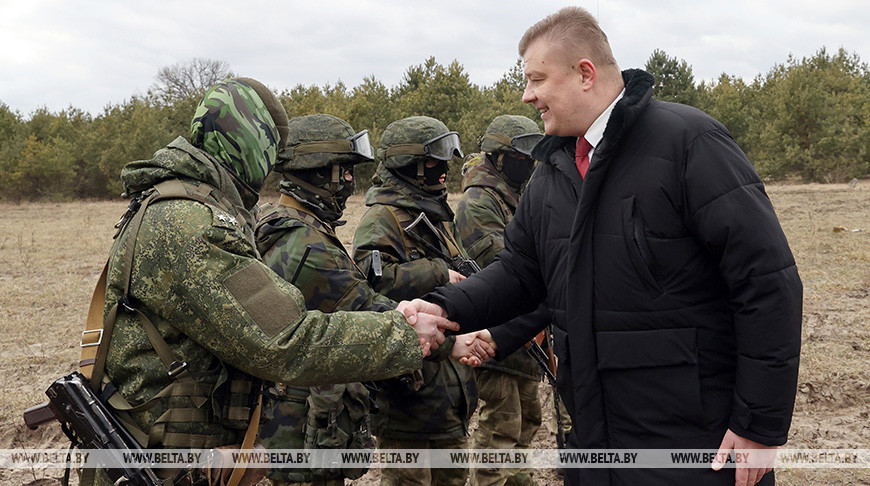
88,53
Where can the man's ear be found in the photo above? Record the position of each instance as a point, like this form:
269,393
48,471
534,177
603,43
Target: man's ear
587,73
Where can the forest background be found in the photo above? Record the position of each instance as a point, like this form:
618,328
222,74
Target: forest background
805,119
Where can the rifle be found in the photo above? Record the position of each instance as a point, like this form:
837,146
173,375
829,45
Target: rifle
547,361
89,424
465,266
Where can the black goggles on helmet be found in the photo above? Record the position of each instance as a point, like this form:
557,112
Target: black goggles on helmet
442,147
521,143
357,144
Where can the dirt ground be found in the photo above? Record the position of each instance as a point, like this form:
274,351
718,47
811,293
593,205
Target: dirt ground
51,255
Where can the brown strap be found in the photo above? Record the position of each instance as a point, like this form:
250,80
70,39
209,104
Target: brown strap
399,224
247,443
92,336
292,202
447,235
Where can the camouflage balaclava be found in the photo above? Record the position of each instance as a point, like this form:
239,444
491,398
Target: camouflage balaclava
513,162
319,151
241,123
403,153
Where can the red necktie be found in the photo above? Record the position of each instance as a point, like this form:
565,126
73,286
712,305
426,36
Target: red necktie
581,155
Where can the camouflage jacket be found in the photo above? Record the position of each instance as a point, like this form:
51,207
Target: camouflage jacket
442,407
328,278
197,277
304,250
487,205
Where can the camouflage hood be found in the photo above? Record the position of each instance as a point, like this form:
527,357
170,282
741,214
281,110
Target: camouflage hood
234,125
181,160
478,171
389,189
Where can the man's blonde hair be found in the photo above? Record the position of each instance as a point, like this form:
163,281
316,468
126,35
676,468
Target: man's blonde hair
577,31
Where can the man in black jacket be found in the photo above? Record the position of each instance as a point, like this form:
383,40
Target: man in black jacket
676,298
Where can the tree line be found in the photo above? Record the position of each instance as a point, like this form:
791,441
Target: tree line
805,119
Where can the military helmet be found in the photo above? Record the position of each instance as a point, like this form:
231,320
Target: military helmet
510,133
415,139
322,140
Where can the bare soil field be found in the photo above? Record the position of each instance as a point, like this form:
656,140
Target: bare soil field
51,255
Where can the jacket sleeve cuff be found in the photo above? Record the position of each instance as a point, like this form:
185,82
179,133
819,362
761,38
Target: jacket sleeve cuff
766,429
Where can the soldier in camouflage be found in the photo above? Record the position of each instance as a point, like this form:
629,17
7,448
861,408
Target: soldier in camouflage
510,414
403,245
297,240
187,283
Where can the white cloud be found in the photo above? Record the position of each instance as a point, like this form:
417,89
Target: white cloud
90,53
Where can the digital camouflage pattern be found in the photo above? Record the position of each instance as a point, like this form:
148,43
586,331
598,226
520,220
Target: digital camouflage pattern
233,124
196,274
442,407
330,281
510,414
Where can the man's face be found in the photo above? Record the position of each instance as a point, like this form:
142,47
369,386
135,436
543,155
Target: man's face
554,88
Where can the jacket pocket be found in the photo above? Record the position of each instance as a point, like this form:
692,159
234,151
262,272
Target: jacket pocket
651,385
636,243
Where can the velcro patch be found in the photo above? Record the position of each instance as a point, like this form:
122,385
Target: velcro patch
270,308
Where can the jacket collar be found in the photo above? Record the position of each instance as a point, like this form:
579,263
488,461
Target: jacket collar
479,172
638,92
390,190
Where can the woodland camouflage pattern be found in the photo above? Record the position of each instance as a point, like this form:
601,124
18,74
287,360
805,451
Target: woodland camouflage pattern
408,271
487,205
443,406
233,125
329,281
197,276
509,126
414,129
511,413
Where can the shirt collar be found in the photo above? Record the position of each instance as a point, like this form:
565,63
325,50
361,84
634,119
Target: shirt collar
596,131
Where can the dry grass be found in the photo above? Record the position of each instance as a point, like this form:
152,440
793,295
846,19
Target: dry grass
51,255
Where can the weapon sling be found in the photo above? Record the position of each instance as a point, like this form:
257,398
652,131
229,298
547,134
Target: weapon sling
97,337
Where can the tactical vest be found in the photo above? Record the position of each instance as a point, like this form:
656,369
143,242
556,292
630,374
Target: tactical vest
332,416
411,419
232,397
443,240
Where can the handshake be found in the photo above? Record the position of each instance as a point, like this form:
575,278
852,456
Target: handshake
430,321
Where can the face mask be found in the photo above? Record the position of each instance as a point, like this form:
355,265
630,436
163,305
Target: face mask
432,175
344,187
517,170
430,180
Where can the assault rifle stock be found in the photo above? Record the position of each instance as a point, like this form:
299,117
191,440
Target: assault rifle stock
90,425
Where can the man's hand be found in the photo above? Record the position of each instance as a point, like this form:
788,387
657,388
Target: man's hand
455,276
474,348
758,459
430,322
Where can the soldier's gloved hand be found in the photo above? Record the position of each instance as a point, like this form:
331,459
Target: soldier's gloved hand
474,348
429,320
455,276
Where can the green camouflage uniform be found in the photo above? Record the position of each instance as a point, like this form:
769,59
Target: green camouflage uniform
510,414
330,416
196,275
437,414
